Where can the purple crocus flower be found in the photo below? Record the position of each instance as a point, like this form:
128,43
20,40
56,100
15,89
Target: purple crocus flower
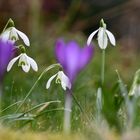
6,53
72,57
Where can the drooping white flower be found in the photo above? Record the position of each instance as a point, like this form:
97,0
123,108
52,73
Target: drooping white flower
62,79
24,61
103,36
13,34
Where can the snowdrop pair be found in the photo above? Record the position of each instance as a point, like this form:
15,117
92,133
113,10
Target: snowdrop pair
103,36
12,34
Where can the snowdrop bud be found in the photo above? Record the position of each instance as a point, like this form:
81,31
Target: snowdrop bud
11,22
102,23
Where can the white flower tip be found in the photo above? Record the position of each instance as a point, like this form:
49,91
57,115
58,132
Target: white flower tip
11,63
23,37
35,67
26,68
8,69
33,63
47,86
65,81
102,38
50,80
111,38
90,37
89,41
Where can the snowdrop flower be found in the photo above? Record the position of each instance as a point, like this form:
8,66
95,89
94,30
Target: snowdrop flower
13,34
62,79
103,36
24,61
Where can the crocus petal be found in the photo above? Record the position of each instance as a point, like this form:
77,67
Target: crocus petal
11,63
33,63
102,38
50,80
23,37
65,82
6,54
72,58
91,36
111,37
60,51
85,57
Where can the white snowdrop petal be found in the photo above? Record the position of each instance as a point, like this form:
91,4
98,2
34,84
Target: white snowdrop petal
24,37
102,38
63,85
11,63
33,63
91,36
50,80
65,82
26,67
111,37
13,34
5,35
23,58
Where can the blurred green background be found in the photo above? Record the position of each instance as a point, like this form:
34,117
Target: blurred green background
44,21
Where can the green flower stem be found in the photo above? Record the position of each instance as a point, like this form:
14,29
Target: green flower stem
10,21
99,97
103,67
67,112
99,105
34,85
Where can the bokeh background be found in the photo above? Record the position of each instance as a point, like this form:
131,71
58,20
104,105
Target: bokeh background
44,21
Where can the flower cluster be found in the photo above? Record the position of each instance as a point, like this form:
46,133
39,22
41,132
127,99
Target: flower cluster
70,55
73,59
11,34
